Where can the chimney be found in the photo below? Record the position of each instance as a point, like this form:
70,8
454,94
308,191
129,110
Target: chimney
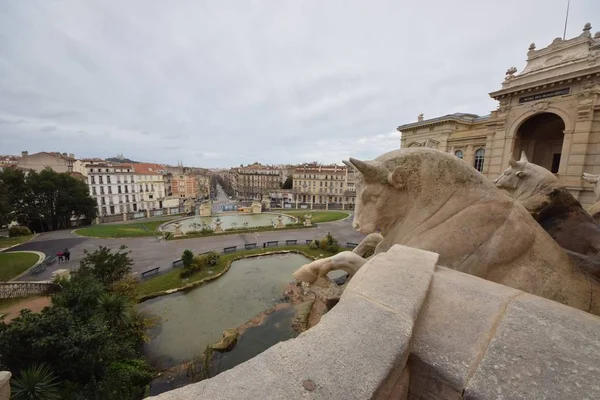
24,154
72,155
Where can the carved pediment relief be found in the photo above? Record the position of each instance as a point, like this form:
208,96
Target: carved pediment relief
430,143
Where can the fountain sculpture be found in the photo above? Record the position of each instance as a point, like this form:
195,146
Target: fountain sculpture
430,200
206,208
218,227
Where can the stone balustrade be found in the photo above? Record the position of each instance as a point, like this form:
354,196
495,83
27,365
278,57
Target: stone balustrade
22,289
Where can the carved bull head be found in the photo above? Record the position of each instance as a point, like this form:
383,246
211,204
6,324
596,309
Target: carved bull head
595,179
512,177
377,189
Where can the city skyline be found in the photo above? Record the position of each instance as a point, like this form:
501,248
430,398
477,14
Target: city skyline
217,87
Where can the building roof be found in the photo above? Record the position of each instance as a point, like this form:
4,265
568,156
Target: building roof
149,169
464,118
320,168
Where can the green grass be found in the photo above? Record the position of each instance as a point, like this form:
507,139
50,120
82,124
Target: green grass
14,264
171,279
136,229
12,241
318,216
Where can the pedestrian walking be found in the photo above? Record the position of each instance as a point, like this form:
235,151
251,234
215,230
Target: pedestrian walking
60,256
67,255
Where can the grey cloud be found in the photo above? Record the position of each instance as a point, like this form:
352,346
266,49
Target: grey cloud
275,82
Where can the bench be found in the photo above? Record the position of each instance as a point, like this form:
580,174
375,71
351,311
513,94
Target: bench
249,246
177,263
42,266
351,245
289,242
272,243
229,249
151,271
309,241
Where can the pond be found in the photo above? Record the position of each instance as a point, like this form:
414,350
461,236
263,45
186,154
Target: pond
230,221
191,321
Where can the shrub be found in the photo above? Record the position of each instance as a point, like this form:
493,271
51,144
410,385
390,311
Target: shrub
18,230
187,258
314,245
212,258
329,244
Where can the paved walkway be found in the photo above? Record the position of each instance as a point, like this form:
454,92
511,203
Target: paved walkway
148,251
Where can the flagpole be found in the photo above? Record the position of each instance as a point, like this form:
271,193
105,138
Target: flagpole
566,19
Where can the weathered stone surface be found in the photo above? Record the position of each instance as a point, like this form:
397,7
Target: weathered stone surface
357,347
540,350
431,200
398,279
5,385
452,332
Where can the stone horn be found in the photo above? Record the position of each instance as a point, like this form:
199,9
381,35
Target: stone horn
368,168
523,157
512,162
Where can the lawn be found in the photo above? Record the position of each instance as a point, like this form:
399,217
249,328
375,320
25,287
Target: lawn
13,264
171,279
137,229
317,215
12,241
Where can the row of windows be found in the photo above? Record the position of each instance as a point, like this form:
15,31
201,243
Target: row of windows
118,180
479,158
326,177
109,170
323,199
125,189
308,183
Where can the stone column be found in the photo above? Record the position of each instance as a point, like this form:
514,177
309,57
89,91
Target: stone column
147,213
124,216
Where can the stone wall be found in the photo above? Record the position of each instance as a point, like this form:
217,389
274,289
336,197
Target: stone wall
406,328
10,290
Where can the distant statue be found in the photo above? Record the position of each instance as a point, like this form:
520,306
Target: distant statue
431,200
552,206
510,73
206,208
218,223
420,117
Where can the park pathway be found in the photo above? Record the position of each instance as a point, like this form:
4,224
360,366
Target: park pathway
149,252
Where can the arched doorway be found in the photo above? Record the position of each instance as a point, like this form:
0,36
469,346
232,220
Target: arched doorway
541,138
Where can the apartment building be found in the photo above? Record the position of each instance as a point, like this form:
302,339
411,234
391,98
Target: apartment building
252,181
184,185
59,162
150,180
114,188
329,185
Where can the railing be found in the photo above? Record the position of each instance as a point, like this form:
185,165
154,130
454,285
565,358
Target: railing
9,290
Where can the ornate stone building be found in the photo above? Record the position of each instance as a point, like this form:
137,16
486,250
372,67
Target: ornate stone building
550,110
251,182
324,185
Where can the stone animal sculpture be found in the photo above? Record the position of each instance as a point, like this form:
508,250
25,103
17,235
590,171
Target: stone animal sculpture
594,210
431,200
552,206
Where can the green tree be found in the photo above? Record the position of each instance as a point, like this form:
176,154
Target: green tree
115,310
187,258
289,183
107,266
35,383
44,201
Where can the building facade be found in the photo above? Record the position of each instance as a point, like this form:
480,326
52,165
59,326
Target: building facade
151,182
184,185
58,162
251,182
550,111
114,188
324,185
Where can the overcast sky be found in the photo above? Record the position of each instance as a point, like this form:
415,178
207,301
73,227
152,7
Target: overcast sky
219,83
